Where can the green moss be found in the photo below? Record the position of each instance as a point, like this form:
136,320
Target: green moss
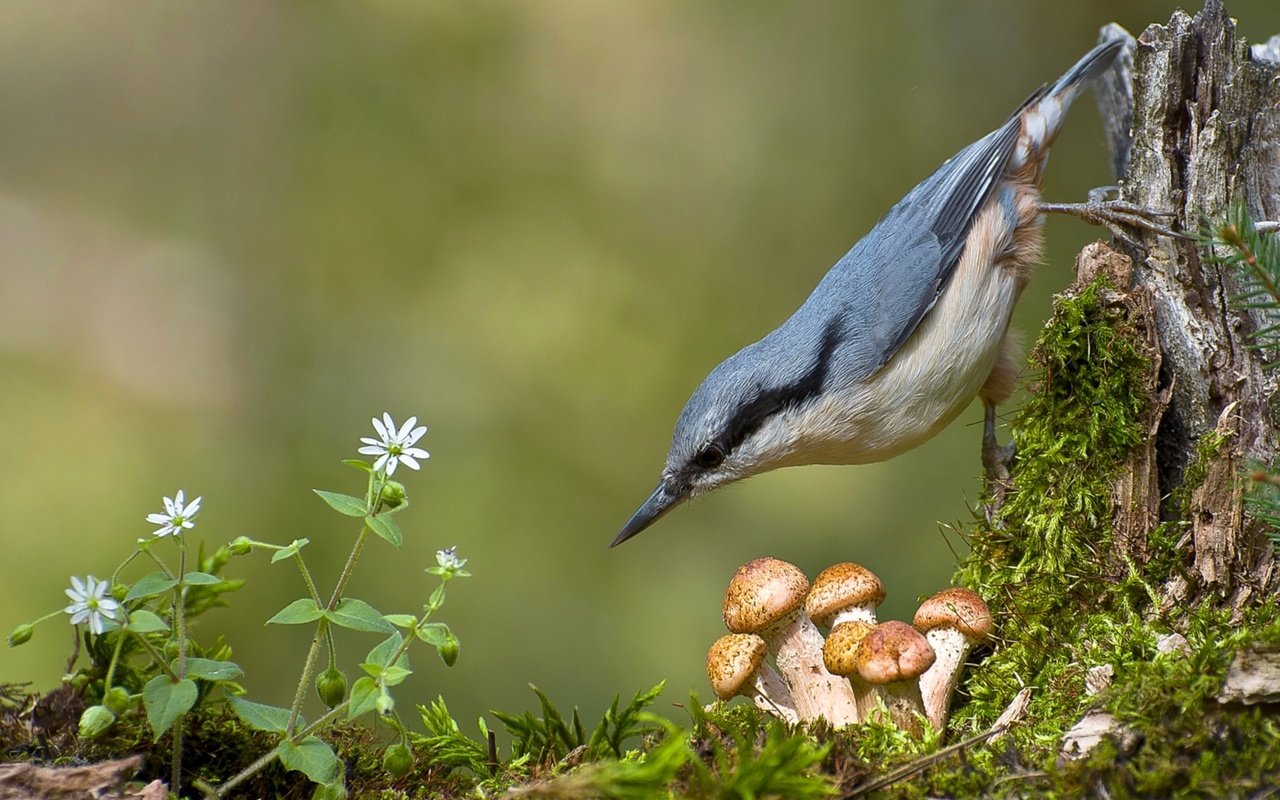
1042,560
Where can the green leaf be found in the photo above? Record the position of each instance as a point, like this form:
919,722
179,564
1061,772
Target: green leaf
395,675
343,503
312,757
150,585
401,620
378,662
355,463
358,616
331,791
433,633
209,669
261,717
297,613
143,621
437,597
165,701
290,551
381,655
386,527
200,579
364,694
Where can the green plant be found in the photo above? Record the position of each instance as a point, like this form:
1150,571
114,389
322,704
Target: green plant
141,655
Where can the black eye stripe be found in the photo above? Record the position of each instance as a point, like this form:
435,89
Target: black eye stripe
755,412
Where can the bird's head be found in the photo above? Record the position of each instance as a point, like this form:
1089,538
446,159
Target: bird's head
740,422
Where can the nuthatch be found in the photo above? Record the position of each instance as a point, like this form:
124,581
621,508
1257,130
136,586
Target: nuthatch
900,335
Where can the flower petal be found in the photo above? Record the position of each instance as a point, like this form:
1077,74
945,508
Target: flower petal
194,508
372,450
380,428
416,452
409,461
405,428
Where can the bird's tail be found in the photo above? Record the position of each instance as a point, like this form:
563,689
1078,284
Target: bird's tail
1043,113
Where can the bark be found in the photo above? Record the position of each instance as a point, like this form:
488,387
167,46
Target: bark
1205,133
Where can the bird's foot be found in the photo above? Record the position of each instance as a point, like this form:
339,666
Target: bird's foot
1116,215
996,461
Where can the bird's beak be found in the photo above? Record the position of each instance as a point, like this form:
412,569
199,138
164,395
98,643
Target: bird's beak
666,497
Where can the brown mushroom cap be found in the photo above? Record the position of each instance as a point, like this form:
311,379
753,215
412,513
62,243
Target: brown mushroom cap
840,586
894,651
841,646
957,608
732,660
763,591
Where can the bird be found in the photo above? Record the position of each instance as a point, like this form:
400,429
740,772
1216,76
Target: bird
899,336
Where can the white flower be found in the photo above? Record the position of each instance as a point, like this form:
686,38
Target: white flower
394,446
177,517
89,601
448,559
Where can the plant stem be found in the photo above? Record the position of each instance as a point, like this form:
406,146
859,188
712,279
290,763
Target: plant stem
179,629
306,577
300,695
115,657
321,627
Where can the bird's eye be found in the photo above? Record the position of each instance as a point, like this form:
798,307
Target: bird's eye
710,457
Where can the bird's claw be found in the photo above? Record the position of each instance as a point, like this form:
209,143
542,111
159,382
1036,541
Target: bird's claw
1116,214
996,461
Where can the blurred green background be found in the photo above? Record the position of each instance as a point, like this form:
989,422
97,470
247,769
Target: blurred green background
234,231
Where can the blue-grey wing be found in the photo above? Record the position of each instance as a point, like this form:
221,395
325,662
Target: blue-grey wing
884,286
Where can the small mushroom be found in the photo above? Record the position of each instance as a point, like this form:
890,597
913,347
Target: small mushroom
839,657
844,592
736,666
893,657
766,597
954,621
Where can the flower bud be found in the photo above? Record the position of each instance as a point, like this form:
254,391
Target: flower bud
21,634
397,760
171,649
119,591
448,650
95,721
241,546
392,495
331,685
117,700
385,704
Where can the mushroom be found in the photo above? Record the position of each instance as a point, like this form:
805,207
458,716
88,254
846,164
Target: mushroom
838,656
954,621
844,592
893,657
736,666
766,597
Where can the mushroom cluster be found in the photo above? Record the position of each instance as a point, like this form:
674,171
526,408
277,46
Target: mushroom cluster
864,669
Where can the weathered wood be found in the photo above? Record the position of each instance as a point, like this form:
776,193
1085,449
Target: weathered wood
1205,133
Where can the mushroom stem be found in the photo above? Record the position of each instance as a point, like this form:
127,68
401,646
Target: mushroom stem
939,682
954,621
797,648
772,695
901,701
